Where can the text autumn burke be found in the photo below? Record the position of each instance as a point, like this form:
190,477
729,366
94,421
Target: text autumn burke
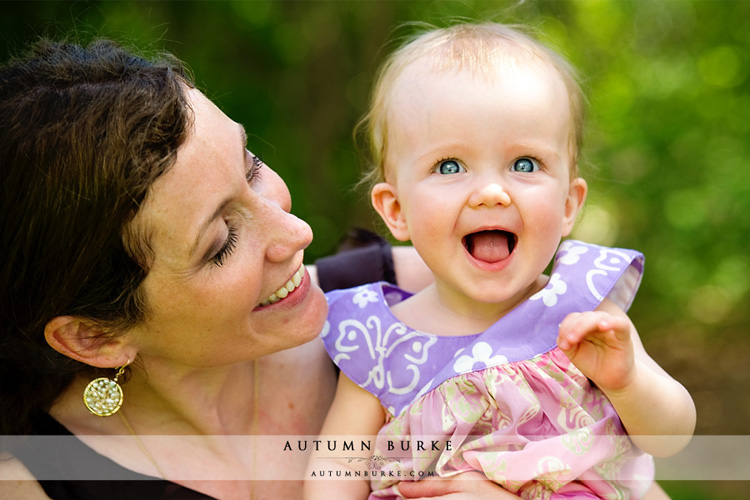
336,445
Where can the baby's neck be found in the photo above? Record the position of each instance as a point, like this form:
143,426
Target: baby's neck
431,311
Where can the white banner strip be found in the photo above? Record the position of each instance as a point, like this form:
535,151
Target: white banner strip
706,458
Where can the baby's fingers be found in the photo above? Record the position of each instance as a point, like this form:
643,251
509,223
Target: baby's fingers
576,327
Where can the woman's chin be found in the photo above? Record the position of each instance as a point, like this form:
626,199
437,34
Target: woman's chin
299,321
315,318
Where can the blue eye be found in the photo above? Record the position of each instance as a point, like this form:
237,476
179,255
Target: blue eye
447,167
525,165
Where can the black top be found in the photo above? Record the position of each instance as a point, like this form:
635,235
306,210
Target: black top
66,466
53,452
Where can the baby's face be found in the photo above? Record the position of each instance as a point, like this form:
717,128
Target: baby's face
481,169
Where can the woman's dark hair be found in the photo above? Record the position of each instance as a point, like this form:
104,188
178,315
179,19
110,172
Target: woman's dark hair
84,132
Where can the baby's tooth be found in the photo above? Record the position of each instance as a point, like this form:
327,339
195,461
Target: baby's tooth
282,292
273,298
297,278
290,286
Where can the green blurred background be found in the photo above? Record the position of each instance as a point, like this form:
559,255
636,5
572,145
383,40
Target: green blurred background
667,154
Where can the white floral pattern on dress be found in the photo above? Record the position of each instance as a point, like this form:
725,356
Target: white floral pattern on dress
481,353
549,293
571,253
364,297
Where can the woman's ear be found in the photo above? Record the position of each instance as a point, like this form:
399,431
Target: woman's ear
574,203
83,341
385,201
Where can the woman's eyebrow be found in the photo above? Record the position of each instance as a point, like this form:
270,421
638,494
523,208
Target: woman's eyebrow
206,223
220,209
243,138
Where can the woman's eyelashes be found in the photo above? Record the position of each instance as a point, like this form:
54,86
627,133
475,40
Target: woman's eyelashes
252,175
227,248
255,164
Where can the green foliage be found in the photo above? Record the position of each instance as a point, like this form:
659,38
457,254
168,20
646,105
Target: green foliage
667,154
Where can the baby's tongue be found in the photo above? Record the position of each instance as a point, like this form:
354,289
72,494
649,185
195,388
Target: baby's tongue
489,246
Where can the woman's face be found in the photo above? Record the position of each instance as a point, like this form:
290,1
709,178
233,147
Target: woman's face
223,241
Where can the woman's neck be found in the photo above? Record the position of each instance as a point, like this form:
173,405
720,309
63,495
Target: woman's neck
167,400
276,393
216,401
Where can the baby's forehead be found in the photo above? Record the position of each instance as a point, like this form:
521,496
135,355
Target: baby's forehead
486,66
414,77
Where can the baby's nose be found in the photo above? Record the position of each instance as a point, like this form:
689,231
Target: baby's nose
489,194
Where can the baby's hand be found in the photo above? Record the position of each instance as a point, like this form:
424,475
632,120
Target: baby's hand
600,345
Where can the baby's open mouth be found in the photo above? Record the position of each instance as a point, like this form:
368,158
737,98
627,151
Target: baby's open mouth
490,246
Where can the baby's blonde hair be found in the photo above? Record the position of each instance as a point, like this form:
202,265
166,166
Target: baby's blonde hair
479,48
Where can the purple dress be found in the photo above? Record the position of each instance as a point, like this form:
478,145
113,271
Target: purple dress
506,402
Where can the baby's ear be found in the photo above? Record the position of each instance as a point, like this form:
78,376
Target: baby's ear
574,203
385,200
88,343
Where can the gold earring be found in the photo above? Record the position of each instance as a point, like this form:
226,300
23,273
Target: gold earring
103,397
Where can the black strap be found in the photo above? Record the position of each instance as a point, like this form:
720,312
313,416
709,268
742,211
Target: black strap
364,257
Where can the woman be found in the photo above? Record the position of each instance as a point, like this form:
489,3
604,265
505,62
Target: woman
142,242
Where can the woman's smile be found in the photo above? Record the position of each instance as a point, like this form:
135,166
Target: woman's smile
289,287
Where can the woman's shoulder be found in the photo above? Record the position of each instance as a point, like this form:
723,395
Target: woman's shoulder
16,481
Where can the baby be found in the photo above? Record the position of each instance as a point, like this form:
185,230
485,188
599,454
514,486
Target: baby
539,382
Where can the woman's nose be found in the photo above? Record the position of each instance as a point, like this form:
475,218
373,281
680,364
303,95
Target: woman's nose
489,194
275,190
290,235
287,234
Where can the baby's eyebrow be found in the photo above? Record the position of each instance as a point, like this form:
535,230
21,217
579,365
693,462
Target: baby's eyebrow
540,150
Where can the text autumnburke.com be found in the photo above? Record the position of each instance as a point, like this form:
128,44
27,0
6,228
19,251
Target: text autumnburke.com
372,473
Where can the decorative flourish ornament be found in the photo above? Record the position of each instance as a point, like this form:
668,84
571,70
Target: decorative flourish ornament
103,397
